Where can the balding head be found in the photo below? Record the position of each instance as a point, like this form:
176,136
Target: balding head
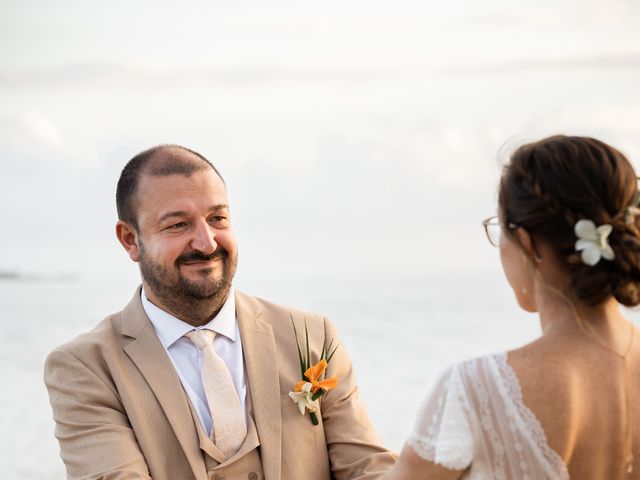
162,160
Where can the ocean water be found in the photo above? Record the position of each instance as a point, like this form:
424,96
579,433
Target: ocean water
400,333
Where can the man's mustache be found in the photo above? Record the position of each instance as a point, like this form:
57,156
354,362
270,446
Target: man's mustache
201,257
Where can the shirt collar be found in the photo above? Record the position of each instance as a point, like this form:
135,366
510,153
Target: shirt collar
170,328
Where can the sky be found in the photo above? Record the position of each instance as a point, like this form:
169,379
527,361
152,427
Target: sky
358,139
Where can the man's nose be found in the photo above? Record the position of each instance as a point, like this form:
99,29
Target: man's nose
204,238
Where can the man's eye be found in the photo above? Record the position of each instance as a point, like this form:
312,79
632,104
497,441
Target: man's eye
177,226
219,218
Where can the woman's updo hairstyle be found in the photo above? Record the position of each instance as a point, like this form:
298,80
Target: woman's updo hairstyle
551,184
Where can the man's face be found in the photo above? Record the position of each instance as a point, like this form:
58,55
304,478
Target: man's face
188,253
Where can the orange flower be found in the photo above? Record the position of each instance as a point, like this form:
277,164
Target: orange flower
313,373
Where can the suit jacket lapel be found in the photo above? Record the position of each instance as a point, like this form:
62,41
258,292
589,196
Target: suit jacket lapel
152,360
259,347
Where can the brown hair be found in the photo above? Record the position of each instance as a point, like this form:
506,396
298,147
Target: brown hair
551,184
161,160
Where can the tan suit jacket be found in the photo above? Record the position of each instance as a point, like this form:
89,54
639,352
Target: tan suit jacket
121,412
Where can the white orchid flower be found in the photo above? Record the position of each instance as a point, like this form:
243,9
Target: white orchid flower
303,399
593,242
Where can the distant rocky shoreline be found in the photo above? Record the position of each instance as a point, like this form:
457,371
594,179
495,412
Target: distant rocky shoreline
15,276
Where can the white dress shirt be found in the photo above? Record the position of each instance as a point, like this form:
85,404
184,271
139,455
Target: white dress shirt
187,358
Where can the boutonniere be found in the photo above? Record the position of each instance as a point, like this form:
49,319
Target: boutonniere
307,391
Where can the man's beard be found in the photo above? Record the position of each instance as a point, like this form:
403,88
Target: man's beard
190,301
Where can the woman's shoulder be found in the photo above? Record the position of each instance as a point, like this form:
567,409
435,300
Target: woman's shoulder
543,367
529,364
529,374
477,379
528,386
477,401
490,366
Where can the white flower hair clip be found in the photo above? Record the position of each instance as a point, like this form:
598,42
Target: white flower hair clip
632,211
630,215
593,242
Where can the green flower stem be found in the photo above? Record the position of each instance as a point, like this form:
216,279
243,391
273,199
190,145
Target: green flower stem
314,418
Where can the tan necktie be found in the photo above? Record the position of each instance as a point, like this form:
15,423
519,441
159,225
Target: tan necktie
229,426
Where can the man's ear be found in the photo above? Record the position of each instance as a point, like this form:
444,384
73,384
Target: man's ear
128,238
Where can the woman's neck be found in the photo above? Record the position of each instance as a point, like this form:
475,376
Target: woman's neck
604,323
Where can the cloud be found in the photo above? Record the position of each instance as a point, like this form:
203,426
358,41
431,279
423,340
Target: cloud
44,132
32,134
95,76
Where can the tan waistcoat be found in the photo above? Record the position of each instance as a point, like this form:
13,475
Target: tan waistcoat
246,464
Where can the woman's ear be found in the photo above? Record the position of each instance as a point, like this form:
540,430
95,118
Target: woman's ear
128,238
526,242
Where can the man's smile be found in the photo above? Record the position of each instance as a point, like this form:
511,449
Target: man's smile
201,263
200,260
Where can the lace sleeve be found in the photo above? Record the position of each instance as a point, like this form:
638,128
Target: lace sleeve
443,431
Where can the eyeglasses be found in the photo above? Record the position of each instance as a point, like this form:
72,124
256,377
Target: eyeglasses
493,229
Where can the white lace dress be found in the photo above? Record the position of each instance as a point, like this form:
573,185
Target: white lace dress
475,417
